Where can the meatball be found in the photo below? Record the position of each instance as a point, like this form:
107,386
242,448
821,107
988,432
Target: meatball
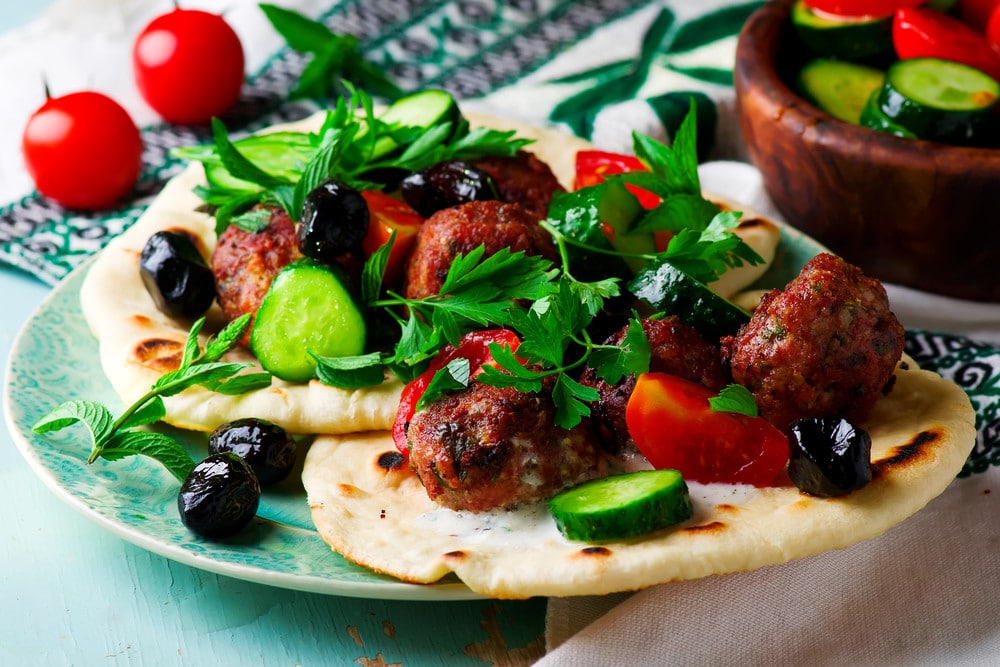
458,230
825,346
675,348
494,448
244,263
524,179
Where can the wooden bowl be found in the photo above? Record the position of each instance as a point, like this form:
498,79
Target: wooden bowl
914,213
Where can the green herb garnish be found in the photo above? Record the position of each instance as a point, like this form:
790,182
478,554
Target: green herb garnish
114,439
335,58
734,398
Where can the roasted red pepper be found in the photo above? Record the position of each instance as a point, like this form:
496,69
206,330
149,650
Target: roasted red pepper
474,346
925,33
673,425
593,166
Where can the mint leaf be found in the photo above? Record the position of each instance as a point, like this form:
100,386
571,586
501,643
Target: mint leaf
734,398
155,445
365,370
97,418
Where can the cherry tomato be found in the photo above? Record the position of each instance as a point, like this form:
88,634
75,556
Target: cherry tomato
925,33
188,66
977,13
993,30
385,215
82,150
593,166
673,425
859,8
474,346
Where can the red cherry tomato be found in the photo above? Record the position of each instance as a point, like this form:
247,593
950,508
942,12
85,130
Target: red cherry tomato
474,346
593,166
993,30
385,215
977,13
671,422
82,150
925,33
859,8
188,65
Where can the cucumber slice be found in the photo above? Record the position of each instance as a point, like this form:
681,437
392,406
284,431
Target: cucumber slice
841,89
307,308
872,117
848,39
939,100
672,291
622,506
421,109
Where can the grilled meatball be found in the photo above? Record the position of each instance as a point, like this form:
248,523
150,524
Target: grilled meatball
489,448
524,179
244,263
825,346
458,230
675,348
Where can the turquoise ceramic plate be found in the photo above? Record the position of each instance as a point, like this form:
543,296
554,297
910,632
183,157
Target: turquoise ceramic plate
55,359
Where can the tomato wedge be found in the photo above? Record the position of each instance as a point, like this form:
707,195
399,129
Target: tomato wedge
474,346
673,425
385,215
925,33
861,8
593,166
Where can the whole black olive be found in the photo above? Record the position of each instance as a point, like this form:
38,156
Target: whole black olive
829,456
176,275
447,184
267,447
334,222
219,497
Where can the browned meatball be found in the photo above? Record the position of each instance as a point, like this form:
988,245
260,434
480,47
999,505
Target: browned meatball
245,263
524,179
675,348
458,230
825,346
489,448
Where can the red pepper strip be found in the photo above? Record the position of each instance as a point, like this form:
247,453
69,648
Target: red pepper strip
925,33
474,346
593,166
673,425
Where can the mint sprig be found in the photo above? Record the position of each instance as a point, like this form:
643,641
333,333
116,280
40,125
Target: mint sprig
734,398
116,438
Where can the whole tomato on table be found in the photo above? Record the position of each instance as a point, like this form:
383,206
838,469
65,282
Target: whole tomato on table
859,8
189,65
82,150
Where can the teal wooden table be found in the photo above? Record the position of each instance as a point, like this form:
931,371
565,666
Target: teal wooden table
75,594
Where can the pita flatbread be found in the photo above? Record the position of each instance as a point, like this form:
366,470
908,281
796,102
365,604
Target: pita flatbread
138,343
378,514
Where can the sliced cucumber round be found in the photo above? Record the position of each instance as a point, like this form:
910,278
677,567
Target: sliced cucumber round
840,88
939,100
872,117
622,506
848,39
308,308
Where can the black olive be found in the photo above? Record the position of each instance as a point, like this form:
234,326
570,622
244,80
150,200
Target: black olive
219,497
829,456
334,222
267,447
447,184
176,275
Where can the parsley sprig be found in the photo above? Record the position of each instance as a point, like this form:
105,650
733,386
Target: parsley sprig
116,438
